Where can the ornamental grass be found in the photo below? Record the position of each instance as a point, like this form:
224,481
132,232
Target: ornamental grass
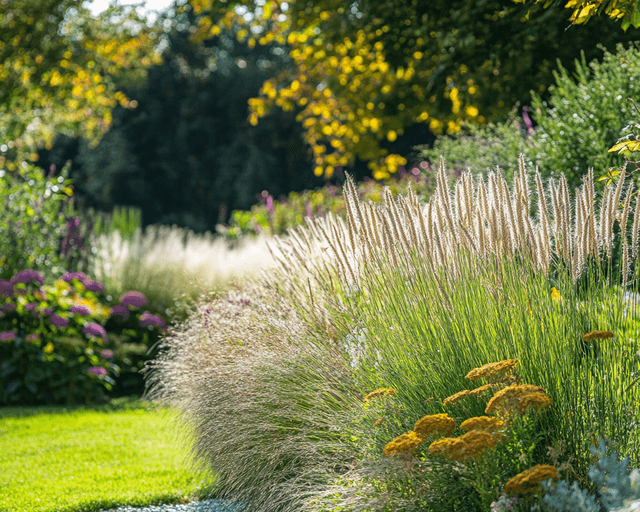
411,295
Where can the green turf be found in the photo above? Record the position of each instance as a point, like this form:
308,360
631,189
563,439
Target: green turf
91,458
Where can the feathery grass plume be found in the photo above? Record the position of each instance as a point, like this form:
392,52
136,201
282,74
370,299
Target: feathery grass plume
634,229
445,199
413,232
468,194
625,211
543,219
243,388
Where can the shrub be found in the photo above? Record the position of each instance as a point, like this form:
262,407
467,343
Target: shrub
485,148
585,115
575,127
61,343
33,219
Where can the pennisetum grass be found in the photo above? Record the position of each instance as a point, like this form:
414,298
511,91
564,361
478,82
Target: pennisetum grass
411,295
474,285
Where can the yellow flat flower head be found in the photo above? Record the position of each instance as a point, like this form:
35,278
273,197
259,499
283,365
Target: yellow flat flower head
508,397
402,443
455,398
597,335
492,370
482,423
431,423
529,479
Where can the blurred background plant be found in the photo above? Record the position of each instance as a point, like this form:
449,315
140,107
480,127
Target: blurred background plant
276,217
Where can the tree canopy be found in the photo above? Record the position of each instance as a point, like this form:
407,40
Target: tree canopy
625,11
62,69
188,154
366,70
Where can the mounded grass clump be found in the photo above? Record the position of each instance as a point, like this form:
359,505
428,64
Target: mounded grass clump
317,391
172,266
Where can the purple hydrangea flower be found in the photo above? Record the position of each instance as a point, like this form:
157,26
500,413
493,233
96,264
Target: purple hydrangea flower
21,291
31,307
122,311
147,319
9,307
94,329
106,353
94,286
47,311
7,336
6,288
97,371
32,337
80,310
27,276
58,321
70,276
132,298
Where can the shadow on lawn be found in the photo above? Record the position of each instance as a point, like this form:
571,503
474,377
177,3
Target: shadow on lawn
126,403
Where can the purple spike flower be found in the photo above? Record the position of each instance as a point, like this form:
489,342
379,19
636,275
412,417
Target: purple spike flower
31,307
95,330
27,276
133,298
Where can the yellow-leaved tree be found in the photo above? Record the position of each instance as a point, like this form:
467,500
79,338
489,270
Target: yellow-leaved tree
367,70
61,69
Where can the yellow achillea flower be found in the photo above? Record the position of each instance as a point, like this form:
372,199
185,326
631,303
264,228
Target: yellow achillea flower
426,426
380,392
482,423
455,398
402,443
533,401
491,370
509,396
481,390
555,294
450,447
469,445
527,480
597,335
477,441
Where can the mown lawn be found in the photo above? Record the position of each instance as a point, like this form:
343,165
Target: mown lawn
91,458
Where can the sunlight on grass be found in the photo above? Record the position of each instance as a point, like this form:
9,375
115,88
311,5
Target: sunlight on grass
85,459
172,266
